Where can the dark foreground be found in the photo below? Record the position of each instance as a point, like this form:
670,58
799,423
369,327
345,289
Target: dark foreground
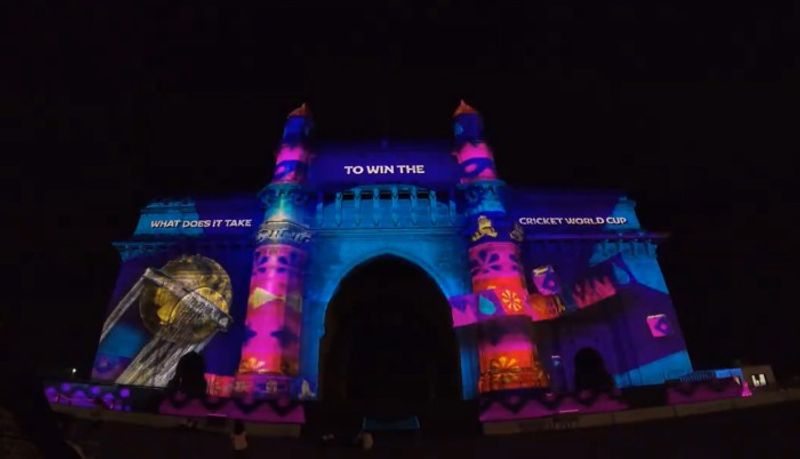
764,432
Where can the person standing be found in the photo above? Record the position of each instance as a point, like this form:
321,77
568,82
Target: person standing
239,440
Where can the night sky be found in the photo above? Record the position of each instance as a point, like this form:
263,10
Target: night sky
688,108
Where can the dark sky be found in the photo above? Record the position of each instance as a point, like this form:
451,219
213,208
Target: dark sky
689,108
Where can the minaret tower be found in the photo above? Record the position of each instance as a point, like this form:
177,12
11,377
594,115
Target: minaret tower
271,350
508,358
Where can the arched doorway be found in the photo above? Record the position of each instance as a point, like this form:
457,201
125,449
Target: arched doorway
389,338
591,372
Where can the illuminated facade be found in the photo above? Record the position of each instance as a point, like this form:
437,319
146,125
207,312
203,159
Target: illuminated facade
534,278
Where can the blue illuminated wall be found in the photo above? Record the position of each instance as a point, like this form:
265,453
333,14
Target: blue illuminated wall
616,299
348,237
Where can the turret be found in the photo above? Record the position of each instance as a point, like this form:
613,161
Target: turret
471,151
270,355
507,354
291,159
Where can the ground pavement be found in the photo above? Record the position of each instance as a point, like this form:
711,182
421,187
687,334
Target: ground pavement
764,432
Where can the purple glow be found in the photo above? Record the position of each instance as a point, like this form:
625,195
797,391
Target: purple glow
229,408
464,310
746,392
545,280
273,312
125,392
498,410
51,393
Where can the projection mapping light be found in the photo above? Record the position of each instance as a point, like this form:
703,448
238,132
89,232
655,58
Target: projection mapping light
182,305
527,273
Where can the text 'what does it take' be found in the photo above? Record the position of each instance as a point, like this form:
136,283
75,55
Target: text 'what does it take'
215,223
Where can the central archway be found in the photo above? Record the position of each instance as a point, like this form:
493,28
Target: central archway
389,337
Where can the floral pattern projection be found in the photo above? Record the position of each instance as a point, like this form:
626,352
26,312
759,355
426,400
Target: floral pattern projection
506,353
508,360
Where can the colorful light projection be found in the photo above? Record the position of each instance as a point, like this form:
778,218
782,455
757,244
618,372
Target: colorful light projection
495,265
291,164
547,303
181,306
274,310
474,156
659,325
464,309
507,356
480,231
593,290
545,307
107,397
546,281
271,353
219,385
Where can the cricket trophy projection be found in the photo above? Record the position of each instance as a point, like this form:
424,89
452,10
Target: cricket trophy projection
533,281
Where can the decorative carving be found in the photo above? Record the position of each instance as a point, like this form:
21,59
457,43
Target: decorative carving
518,233
432,200
357,205
271,231
320,209
485,228
376,206
413,205
395,200
338,208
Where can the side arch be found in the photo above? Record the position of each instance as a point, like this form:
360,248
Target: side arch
590,370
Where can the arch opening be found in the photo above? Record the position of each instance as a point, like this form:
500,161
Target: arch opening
389,337
591,372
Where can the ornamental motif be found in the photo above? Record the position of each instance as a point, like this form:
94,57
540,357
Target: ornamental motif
504,370
518,233
282,257
486,262
283,231
546,307
511,300
485,228
260,297
252,365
